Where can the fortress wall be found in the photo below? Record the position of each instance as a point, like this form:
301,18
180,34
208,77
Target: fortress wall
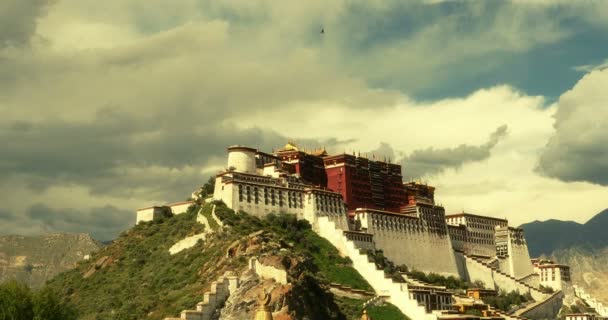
417,250
476,272
504,264
405,240
521,265
507,284
481,249
547,309
532,280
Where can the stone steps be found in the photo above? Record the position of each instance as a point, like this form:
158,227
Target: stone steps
218,293
496,271
396,293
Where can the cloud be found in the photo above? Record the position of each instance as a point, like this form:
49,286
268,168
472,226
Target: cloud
577,151
132,103
432,161
102,222
591,67
18,20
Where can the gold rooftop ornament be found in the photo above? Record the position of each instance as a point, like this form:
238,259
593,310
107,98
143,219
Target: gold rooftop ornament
365,316
263,312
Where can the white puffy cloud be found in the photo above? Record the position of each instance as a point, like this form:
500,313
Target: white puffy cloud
578,150
112,105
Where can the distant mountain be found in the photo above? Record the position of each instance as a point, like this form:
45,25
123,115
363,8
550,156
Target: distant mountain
584,247
589,269
545,237
34,260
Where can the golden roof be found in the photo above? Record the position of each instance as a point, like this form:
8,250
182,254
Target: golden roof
291,146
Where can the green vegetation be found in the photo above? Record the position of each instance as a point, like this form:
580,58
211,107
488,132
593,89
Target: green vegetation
449,282
353,308
209,186
546,289
330,266
394,272
135,277
474,312
507,301
140,277
206,211
18,302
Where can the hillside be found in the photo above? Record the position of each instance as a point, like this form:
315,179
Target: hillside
34,260
135,277
589,269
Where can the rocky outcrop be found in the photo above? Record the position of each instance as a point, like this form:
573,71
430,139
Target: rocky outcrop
35,259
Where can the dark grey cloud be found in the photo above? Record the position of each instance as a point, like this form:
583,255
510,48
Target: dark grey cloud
578,150
18,20
432,161
103,223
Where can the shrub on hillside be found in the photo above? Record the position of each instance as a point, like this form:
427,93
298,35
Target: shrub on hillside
507,301
18,302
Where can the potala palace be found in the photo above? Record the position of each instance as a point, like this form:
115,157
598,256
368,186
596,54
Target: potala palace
358,204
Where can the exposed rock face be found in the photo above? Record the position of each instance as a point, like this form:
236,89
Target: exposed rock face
589,269
36,259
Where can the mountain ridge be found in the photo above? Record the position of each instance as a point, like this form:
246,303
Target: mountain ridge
36,259
545,237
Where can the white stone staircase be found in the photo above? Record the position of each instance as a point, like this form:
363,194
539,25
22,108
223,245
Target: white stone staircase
213,299
395,293
508,282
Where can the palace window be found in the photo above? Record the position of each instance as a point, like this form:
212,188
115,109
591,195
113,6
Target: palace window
240,193
248,194
272,197
280,198
256,195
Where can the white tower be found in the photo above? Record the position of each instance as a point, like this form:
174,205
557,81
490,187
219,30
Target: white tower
242,159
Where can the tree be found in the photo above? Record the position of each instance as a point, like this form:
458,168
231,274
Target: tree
15,301
209,186
47,306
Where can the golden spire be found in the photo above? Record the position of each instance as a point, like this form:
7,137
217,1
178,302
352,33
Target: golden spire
263,312
365,316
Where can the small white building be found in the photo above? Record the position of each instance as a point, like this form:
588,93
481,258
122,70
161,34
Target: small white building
180,207
551,274
152,213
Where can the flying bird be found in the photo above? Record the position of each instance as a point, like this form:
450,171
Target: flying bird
322,31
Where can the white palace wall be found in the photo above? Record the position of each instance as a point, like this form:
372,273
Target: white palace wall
405,240
519,261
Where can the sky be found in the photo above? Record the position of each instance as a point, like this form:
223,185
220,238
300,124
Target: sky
109,106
